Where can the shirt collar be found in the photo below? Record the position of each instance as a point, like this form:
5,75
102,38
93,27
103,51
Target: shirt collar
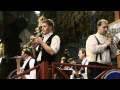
84,60
48,35
99,35
27,60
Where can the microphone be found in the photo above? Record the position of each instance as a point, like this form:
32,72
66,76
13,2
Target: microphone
17,57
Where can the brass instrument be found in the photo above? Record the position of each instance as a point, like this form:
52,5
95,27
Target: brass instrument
38,32
2,49
116,40
40,19
28,45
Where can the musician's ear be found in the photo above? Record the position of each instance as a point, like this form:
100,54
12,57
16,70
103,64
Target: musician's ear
50,27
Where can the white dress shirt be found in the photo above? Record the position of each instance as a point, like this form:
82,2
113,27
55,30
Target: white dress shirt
32,74
55,44
84,62
92,48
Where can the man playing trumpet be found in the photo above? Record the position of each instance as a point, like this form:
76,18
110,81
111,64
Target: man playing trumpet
50,43
99,49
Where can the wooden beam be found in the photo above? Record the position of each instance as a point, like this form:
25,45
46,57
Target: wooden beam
44,72
117,15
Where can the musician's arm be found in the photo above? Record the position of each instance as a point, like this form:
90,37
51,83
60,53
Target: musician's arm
18,65
48,48
94,47
34,50
19,69
113,51
54,47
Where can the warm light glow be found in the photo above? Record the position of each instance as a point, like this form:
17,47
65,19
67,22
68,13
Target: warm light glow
37,12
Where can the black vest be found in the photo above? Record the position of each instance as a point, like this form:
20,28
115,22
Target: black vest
27,66
83,68
46,56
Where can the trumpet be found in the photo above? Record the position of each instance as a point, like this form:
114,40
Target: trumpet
37,32
28,45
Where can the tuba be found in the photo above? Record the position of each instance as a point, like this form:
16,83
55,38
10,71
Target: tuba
116,40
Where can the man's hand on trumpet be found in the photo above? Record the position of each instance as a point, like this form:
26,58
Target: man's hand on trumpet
32,37
38,40
109,41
